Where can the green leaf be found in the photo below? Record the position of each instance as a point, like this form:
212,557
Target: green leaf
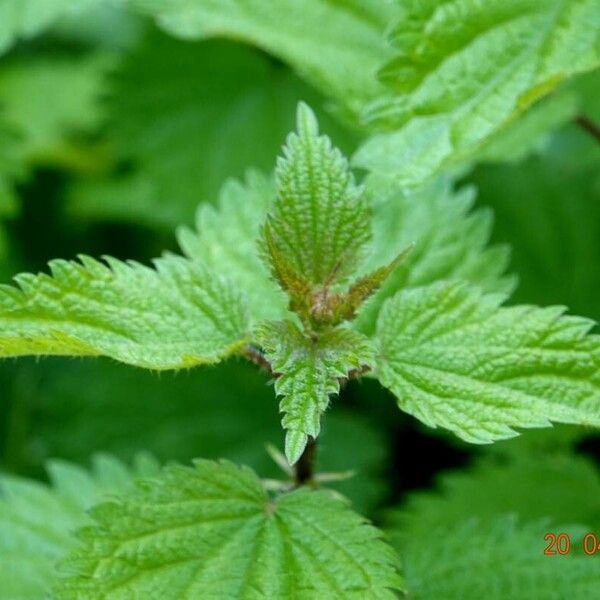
497,559
530,133
409,156
106,24
308,372
450,242
464,70
212,531
49,122
185,117
26,18
225,240
36,520
455,359
341,64
565,490
367,285
176,315
320,221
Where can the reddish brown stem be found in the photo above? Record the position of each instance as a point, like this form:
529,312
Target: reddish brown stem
256,356
304,469
588,126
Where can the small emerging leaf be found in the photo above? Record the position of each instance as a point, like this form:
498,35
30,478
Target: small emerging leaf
320,221
366,286
211,531
293,283
451,241
309,371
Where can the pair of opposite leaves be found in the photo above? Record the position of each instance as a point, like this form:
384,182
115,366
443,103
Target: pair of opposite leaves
448,351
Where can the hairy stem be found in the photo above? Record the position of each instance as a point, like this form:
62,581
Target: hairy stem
304,469
588,126
255,355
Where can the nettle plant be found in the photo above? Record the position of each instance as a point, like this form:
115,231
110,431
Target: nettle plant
317,280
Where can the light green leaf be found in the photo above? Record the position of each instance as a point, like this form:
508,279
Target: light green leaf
106,24
23,19
531,133
455,359
408,156
237,108
463,70
226,240
308,372
341,63
212,531
451,242
320,221
497,559
36,520
561,488
176,315
47,122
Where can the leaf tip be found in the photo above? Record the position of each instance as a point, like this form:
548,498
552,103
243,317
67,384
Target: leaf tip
306,120
295,442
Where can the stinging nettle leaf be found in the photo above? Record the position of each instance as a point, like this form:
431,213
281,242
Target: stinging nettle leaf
530,134
455,359
320,220
212,531
308,372
464,70
176,315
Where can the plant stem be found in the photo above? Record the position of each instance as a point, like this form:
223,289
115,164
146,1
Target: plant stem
588,126
256,356
304,469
